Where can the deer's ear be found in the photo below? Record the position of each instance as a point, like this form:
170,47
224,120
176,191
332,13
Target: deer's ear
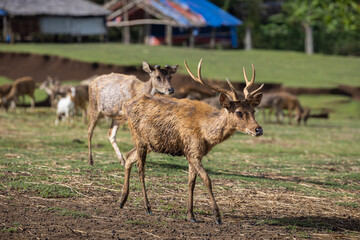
224,100
172,69
146,67
256,100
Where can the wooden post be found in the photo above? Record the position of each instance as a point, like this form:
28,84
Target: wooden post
191,38
147,30
126,29
169,35
213,38
5,25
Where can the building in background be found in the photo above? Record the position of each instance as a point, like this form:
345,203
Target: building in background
24,19
184,22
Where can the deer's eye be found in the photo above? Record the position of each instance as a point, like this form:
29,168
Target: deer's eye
158,78
239,114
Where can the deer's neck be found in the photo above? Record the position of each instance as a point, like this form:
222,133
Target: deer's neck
148,88
12,94
218,127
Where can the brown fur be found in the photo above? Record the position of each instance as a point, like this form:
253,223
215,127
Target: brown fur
183,127
193,91
21,87
82,99
108,92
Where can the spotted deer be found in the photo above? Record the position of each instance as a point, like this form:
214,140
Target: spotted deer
108,92
190,128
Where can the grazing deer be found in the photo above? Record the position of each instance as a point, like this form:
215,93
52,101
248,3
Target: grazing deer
66,106
108,92
190,128
21,87
5,89
272,101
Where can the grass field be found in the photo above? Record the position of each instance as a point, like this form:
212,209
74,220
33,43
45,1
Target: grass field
294,182
289,68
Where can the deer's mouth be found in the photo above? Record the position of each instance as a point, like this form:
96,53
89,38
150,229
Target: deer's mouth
250,133
258,132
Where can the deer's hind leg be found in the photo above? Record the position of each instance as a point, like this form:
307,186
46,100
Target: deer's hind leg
93,119
190,206
196,164
115,123
131,158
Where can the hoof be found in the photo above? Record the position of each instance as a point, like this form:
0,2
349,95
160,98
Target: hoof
122,162
193,220
218,221
148,211
121,205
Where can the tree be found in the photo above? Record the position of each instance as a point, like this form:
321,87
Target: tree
330,15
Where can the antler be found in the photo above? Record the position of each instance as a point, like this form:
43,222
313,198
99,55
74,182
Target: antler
214,87
249,84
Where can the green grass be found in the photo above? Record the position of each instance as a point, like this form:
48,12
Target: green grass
289,68
44,159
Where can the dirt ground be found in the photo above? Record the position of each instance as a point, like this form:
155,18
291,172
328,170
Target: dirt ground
259,214
15,65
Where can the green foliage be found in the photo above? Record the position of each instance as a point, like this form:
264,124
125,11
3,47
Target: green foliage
336,26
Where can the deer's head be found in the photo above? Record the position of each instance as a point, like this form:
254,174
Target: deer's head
160,78
240,112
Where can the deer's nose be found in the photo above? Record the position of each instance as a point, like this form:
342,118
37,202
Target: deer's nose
258,131
171,90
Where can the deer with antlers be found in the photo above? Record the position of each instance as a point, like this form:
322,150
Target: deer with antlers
190,128
108,92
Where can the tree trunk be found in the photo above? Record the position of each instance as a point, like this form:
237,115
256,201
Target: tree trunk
309,39
248,40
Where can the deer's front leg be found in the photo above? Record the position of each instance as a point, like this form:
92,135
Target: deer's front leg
192,181
205,177
131,157
112,138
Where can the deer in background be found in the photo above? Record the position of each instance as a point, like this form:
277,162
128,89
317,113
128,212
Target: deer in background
108,92
56,91
190,128
284,100
21,87
4,90
272,101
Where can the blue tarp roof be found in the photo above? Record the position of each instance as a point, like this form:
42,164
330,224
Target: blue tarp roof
2,13
204,13
213,15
